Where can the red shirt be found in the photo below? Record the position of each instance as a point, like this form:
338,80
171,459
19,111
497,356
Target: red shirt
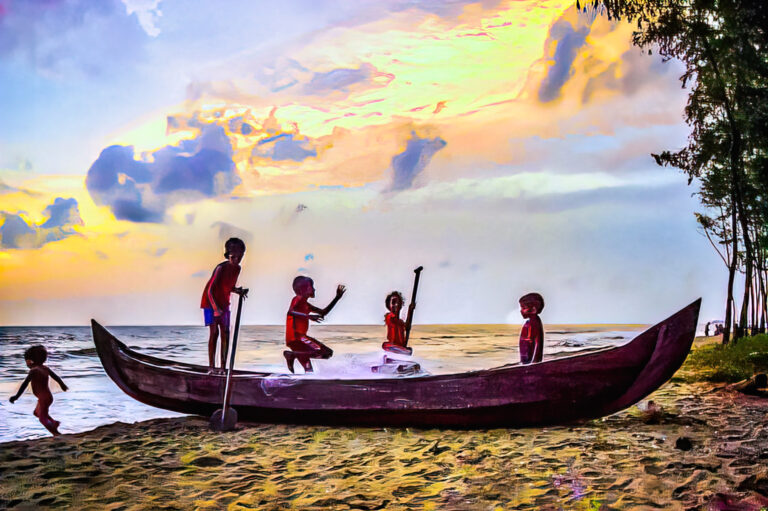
532,335
296,326
395,329
219,287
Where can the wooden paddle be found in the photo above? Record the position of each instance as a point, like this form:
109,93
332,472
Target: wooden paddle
412,305
225,418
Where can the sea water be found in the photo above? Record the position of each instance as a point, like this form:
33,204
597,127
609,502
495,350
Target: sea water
94,400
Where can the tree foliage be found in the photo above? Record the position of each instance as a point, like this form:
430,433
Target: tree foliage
722,44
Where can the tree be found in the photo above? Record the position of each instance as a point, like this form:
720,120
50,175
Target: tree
722,44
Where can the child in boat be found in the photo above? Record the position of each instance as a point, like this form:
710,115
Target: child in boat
532,333
395,342
38,376
300,313
215,301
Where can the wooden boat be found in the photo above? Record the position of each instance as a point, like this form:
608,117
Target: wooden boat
583,386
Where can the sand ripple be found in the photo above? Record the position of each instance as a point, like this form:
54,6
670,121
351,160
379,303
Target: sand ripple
629,460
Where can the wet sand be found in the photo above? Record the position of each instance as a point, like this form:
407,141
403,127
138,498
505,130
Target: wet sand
706,448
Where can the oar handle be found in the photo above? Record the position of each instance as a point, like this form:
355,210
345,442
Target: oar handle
228,387
412,306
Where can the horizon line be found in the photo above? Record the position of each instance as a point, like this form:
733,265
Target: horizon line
636,325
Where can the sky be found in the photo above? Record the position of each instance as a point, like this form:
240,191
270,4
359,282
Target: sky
503,145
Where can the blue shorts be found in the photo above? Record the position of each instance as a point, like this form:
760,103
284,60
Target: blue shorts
210,319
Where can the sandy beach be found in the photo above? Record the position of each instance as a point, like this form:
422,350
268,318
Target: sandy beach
705,448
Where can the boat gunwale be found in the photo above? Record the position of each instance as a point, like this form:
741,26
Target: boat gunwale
194,369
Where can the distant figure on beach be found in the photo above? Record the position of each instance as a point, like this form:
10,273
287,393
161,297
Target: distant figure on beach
395,342
706,330
300,313
38,376
215,301
532,333
718,329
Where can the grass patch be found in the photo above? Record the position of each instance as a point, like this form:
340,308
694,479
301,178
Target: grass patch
728,363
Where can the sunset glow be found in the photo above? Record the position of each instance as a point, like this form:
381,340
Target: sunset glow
504,146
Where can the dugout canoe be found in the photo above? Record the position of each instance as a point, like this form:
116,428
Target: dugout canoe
554,391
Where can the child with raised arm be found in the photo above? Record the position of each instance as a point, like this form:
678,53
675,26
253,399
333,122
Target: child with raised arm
395,342
532,333
38,376
300,313
215,301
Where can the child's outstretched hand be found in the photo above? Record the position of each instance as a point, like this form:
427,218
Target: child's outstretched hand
340,290
64,387
14,398
316,318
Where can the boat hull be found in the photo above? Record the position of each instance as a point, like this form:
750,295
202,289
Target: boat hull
554,391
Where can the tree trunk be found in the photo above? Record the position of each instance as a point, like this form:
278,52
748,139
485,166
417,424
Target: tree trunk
763,273
731,273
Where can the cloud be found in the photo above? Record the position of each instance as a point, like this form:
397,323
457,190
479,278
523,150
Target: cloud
147,12
61,38
343,79
259,141
284,147
566,42
18,233
227,231
443,8
624,195
413,160
200,274
141,190
62,213
630,74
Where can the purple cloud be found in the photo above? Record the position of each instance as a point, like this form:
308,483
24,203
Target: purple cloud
568,41
141,191
61,213
284,147
17,233
338,79
411,162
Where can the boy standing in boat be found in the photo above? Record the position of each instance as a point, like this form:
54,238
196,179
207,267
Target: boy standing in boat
395,342
532,333
215,301
38,376
300,313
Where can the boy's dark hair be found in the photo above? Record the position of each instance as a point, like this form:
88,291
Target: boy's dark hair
389,297
535,299
233,243
300,281
36,354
